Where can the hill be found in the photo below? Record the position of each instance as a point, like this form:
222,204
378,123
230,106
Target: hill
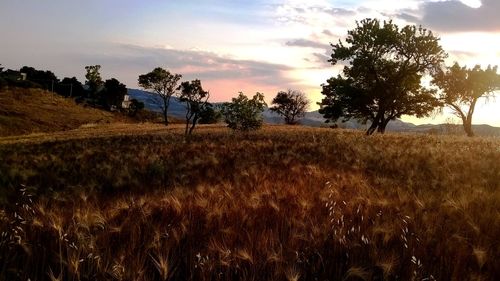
25,111
282,203
151,102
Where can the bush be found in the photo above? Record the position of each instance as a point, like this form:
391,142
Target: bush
209,115
135,106
3,83
244,114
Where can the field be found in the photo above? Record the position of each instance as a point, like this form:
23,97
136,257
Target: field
142,202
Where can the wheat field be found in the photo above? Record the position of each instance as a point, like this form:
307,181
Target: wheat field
284,203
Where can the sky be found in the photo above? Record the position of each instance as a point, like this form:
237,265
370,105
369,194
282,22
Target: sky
232,46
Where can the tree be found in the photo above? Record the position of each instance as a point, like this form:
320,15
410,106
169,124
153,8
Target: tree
291,105
209,115
244,114
164,85
113,93
45,79
196,100
135,107
382,80
70,87
461,88
94,80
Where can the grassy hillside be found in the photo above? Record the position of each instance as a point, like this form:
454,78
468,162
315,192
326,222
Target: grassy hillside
24,111
284,203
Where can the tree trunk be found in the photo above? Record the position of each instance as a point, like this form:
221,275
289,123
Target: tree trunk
165,110
372,128
468,127
375,124
188,118
468,119
383,125
195,120
187,127
165,118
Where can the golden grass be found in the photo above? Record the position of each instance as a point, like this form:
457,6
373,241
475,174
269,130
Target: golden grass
24,111
283,203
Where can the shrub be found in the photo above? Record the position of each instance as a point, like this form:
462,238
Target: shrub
209,115
135,106
244,114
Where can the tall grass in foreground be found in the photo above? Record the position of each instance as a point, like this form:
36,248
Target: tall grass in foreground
277,205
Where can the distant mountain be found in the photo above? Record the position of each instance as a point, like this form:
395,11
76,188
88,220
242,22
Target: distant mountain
152,102
315,119
451,129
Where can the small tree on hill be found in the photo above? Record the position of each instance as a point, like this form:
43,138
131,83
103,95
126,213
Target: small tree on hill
244,114
382,81
94,80
291,104
196,100
164,85
46,79
113,94
135,107
70,87
462,88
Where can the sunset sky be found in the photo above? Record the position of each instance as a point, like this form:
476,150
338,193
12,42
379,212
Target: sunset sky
232,46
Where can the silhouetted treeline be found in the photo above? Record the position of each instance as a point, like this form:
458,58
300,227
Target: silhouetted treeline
107,94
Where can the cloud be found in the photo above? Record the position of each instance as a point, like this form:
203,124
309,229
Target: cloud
339,12
322,59
307,44
455,16
459,53
224,76
319,59
307,13
328,33
209,65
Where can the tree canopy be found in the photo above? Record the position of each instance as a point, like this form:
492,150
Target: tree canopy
70,87
164,84
46,79
381,80
94,80
290,104
244,114
210,115
114,92
462,87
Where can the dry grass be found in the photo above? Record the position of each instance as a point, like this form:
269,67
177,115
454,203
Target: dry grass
24,111
284,203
